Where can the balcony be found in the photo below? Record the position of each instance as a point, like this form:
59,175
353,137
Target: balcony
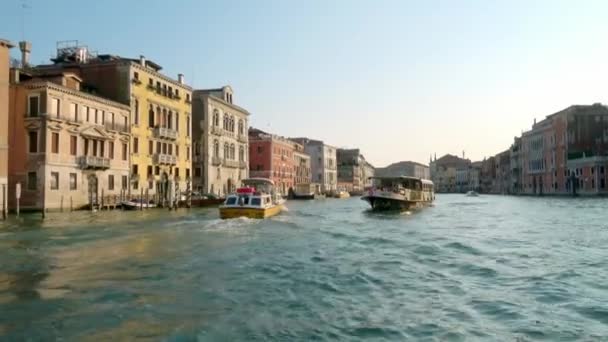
165,159
135,81
231,163
165,133
151,87
216,161
216,130
242,138
92,162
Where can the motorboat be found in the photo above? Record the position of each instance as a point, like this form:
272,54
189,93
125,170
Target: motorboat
399,193
341,194
472,193
257,198
136,204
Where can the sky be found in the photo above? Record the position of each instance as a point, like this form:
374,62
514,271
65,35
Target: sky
401,80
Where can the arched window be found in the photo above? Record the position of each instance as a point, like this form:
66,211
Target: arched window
151,117
163,120
232,124
158,116
226,121
241,127
216,148
232,151
241,153
216,117
226,151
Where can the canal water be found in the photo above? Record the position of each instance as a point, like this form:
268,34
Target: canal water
489,268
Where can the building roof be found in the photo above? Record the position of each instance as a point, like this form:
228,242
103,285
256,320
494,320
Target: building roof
6,43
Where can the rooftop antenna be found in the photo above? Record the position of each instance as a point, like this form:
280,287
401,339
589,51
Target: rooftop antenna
24,6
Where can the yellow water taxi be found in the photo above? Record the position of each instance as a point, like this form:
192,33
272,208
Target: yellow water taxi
256,199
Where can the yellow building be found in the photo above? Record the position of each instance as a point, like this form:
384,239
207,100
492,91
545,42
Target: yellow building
160,149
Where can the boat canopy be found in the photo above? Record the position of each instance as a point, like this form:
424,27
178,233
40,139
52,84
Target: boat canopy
406,181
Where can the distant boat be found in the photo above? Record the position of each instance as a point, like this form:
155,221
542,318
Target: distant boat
471,193
306,191
399,193
256,199
341,194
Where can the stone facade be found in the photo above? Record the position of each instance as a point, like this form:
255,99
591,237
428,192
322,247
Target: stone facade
221,141
302,165
323,163
353,170
68,147
444,172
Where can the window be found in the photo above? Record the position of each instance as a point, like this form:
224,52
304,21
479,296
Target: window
150,147
216,117
197,172
187,173
73,183
241,153
602,183
94,148
188,153
55,142
164,148
170,149
135,145
136,75
255,201
55,107
33,106
241,127
102,145
150,184
110,182
187,125
601,169
96,118
158,147
592,169
177,150
124,182
216,148
32,181
136,114
124,151
260,149
135,170
176,172
177,121
111,150
103,117
157,170
187,97
86,147
151,82
149,171
74,111
151,117
54,180
73,145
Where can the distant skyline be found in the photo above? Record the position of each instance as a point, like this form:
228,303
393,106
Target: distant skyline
400,80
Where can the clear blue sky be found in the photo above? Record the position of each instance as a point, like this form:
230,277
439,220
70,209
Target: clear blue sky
398,79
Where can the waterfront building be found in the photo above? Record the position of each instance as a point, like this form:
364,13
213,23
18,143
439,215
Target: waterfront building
515,156
5,46
487,175
273,157
443,172
322,162
463,174
405,168
160,118
567,152
474,176
302,165
68,147
502,185
221,141
353,170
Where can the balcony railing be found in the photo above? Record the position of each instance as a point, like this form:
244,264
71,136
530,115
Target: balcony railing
165,133
216,161
242,164
167,159
231,163
216,130
92,162
242,138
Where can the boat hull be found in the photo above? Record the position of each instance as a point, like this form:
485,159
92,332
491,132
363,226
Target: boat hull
207,202
256,213
390,204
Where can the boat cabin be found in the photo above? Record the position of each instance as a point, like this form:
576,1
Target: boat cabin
255,193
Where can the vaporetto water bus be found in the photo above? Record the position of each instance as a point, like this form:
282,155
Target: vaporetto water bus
256,199
399,193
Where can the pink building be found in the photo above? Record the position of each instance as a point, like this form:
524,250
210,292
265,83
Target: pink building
567,152
272,157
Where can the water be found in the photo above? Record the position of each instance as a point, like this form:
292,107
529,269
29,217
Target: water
488,268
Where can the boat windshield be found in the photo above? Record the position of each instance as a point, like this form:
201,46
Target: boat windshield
256,201
394,184
231,200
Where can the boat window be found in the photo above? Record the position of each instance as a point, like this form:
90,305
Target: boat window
255,201
231,200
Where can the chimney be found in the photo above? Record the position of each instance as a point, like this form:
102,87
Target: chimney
180,78
142,60
26,48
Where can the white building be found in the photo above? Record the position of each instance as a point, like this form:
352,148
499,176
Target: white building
220,140
323,163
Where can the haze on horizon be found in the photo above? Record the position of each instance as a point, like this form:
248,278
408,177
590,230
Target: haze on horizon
399,80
